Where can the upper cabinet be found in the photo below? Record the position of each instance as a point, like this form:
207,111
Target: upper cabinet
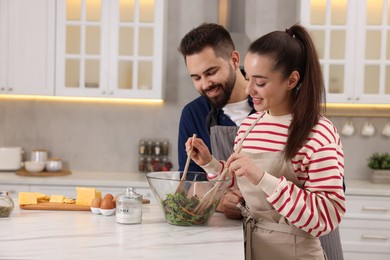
352,38
110,48
27,44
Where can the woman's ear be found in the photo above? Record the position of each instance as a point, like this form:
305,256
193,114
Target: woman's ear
293,79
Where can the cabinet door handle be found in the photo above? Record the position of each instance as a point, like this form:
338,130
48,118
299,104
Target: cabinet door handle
375,237
368,208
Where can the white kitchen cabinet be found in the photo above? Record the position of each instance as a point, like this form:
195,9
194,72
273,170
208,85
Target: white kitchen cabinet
365,229
27,43
110,48
352,38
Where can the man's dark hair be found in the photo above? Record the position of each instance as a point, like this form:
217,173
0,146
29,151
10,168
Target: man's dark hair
207,35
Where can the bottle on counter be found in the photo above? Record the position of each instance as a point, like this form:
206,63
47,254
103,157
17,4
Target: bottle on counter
6,204
129,207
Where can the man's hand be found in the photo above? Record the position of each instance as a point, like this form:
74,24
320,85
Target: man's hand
200,152
229,202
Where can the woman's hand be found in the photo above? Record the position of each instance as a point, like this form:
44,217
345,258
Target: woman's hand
200,152
242,166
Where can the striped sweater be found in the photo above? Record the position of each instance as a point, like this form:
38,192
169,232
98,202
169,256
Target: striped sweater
319,205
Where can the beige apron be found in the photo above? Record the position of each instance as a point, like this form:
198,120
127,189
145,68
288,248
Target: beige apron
222,140
267,234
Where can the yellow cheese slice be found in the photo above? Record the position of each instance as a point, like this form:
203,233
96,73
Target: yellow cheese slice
42,196
57,198
86,195
27,198
69,201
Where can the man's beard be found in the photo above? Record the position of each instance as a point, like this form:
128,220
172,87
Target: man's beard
226,91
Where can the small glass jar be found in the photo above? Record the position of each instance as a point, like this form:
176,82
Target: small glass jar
141,164
165,148
157,148
149,147
6,204
142,147
129,207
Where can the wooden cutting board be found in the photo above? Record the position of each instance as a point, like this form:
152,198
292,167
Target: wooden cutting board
61,206
55,206
24,172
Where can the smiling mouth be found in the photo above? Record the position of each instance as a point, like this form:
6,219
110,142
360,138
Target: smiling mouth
212,91
257,100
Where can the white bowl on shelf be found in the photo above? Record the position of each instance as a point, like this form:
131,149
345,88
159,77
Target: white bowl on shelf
34,166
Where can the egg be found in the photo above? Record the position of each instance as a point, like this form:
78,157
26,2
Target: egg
109,195
95,203
107,203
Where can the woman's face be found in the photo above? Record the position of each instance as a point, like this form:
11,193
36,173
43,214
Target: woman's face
267,88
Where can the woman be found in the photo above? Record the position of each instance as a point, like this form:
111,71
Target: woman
290,169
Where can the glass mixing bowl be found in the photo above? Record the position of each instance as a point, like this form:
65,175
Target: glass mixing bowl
179,208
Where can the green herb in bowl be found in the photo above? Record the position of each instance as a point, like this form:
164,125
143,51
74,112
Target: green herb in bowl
179,210
178,207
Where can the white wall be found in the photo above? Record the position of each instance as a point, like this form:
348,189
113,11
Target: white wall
104,136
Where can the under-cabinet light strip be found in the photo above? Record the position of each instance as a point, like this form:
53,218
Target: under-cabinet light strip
83,99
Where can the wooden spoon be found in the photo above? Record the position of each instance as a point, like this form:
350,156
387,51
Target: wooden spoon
181,188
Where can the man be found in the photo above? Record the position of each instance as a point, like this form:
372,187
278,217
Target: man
213,64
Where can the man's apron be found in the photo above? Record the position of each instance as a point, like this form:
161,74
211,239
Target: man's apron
222,141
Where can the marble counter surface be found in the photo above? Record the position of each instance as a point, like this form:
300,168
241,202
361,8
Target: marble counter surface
79,178
120,179
367,188
34,234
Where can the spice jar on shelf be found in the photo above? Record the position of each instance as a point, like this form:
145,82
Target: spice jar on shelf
6,204
142,147
141,164
149,147
157,148
165,148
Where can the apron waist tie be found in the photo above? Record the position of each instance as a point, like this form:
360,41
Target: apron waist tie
284,228
249,225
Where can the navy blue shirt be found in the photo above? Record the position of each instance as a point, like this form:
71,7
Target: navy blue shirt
193,121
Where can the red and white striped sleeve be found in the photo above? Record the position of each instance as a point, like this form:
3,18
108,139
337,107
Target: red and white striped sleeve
319,205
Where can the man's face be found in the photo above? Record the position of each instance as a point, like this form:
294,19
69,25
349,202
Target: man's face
213,76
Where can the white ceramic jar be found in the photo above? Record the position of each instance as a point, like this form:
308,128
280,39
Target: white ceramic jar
53,165
39,155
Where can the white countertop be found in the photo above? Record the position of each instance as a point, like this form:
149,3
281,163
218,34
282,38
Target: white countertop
123,179
366,187
81,235
35,234
79,178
